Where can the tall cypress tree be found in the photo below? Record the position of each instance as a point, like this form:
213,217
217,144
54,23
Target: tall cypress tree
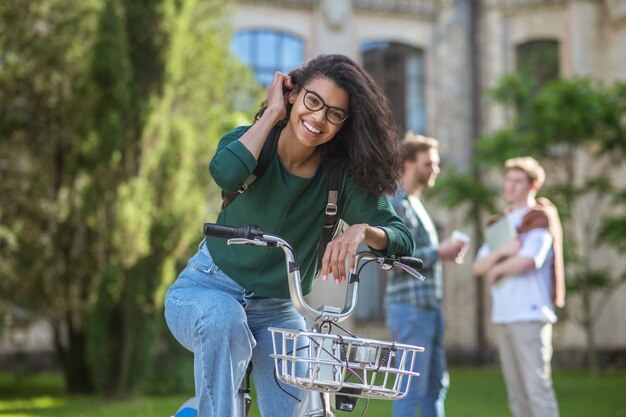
182,76
111,110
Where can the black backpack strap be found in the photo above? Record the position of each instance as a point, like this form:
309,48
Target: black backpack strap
265,159
330,219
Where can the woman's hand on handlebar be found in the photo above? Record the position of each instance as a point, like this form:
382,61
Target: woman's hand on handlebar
340,248
345,246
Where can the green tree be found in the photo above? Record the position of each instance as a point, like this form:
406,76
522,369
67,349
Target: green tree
42,109
110,112
576,128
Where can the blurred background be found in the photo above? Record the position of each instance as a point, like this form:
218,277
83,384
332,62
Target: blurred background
110,111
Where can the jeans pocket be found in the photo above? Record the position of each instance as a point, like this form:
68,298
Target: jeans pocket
207,269
202,262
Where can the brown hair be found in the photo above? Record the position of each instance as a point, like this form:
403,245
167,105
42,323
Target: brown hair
529,166
413,144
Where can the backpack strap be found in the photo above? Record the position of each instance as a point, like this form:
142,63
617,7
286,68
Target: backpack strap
330,219
265,159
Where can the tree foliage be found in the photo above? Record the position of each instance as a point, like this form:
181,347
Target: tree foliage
109,113
577,128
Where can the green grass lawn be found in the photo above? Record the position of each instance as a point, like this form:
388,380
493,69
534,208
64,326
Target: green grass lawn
473,393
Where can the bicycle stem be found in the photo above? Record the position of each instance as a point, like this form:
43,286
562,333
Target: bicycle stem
324,313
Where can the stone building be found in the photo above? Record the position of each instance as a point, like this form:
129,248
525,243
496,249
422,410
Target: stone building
434,59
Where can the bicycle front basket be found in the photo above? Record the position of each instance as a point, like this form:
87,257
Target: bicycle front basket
353,366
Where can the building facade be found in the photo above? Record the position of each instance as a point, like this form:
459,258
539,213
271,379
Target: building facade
434,59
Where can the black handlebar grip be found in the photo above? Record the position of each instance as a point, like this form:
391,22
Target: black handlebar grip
228,232
414,263
218,230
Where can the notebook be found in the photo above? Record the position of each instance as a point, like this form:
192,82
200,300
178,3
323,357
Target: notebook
499,233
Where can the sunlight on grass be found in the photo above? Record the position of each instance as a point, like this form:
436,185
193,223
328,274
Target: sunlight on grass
87,406
31,407
19,415
474,392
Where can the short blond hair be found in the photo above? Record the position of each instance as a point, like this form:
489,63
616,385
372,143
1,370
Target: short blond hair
412,144
529,166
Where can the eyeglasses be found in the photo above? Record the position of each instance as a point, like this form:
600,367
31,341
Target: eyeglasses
313,102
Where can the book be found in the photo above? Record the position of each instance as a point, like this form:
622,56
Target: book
499,233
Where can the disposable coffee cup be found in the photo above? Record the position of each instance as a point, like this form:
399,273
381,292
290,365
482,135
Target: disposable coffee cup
460,237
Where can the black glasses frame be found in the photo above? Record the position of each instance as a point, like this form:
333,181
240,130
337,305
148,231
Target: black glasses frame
307,92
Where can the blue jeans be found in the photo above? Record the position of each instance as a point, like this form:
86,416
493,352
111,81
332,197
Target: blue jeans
424,327
225,326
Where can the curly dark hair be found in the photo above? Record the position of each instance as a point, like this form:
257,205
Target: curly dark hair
368,142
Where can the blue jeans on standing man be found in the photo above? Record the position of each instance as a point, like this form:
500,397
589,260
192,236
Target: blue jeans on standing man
225,326
424,327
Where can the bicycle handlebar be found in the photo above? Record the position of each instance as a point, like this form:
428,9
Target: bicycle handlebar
250,231
252,235
411,262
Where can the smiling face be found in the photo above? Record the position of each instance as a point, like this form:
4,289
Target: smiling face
312,128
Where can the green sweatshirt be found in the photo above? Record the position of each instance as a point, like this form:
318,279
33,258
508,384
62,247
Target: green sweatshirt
291,207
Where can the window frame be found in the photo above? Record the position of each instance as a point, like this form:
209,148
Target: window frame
250,54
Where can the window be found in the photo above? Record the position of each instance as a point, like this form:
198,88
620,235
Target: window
399,71
538,60
267,51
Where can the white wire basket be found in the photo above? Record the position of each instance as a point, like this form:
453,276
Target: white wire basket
352,366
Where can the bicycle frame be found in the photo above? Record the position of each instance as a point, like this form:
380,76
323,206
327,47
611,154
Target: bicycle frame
312,405
315,403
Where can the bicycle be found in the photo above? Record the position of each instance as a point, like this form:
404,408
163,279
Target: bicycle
334,371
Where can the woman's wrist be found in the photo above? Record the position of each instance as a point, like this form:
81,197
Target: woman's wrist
272,115
374,237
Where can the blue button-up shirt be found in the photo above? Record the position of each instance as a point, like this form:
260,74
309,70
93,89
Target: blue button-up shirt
402,288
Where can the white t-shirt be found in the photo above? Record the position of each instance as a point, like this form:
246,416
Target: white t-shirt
526,296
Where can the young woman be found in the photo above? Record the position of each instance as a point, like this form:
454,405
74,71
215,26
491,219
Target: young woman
332,115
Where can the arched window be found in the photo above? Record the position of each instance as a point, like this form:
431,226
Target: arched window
538,60
267,51
399,71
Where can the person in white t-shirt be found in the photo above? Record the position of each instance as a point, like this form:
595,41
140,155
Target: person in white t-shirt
526,277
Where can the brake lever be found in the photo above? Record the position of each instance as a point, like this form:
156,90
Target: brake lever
389,263
385,263
243,241
410,270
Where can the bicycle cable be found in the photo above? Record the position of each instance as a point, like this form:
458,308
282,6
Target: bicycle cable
339,360
284,390
367,404
278,382
352,371
365,263
342,329
347,361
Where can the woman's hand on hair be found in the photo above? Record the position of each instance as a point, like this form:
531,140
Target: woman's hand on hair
278,95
